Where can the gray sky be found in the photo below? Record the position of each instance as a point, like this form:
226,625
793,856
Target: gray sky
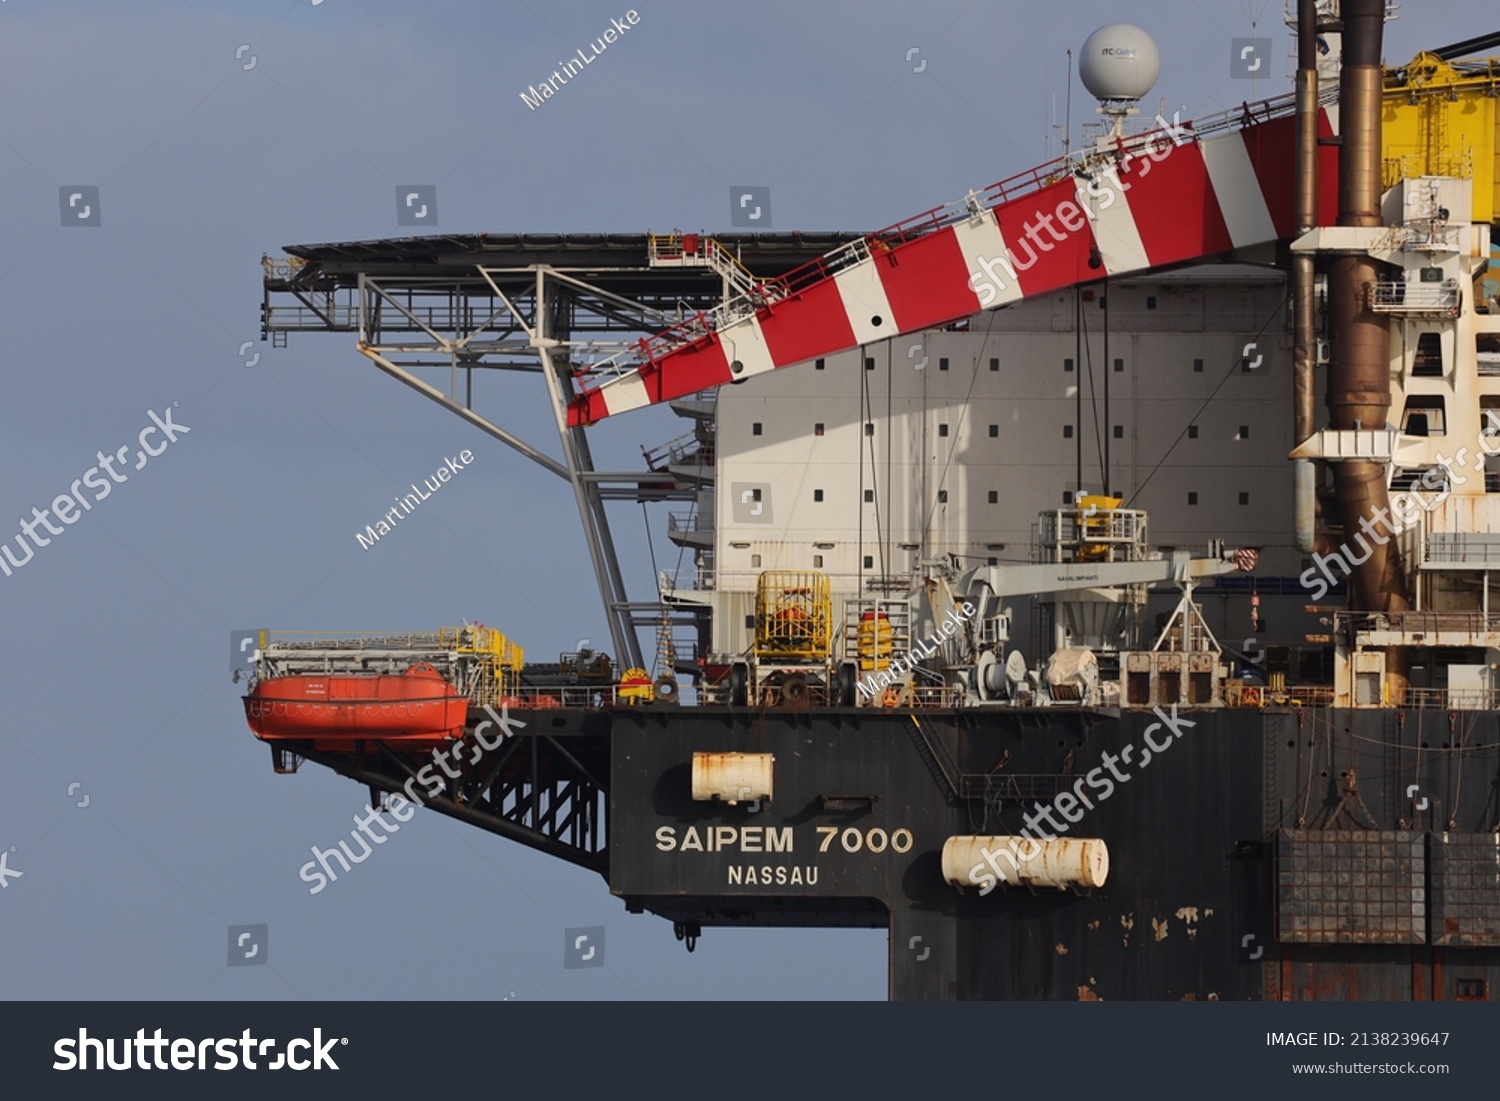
113,653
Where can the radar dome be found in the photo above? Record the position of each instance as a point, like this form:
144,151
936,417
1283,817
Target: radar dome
1119,62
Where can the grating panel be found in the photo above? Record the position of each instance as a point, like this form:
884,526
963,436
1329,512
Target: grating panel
1465,889
1351,887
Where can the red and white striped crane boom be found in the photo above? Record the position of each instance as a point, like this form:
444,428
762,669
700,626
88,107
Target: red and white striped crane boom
1176,194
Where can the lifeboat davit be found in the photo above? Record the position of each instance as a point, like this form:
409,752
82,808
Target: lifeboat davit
417,708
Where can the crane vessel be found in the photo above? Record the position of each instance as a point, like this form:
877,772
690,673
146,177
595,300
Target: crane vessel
1157,683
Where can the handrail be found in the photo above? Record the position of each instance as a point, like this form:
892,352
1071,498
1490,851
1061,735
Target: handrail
1397,296
1451,699
281,268
705,580
1424,622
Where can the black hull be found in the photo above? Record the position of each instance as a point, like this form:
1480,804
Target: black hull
1245,863
1278,855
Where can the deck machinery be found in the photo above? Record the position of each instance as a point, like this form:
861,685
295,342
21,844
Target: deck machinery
1132,813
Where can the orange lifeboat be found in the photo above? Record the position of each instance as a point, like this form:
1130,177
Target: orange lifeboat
418,709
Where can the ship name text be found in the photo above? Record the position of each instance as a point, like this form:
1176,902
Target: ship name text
713,839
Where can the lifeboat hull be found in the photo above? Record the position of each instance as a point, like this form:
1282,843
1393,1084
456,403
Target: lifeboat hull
417,709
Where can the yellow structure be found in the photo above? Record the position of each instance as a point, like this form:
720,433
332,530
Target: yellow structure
793,615
874,642
500,660
1096,523
1442,118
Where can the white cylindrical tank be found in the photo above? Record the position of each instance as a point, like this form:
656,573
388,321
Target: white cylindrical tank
733,777
1119,62
1305,505
979,861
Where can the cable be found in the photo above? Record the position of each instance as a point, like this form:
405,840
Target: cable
890,413
699,471
866,419
954,436
1088,352
881,536
859,454
701,429
1105,467
1194,418
651,548
1077,390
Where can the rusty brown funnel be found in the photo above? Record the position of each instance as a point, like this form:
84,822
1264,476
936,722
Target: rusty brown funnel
1359,392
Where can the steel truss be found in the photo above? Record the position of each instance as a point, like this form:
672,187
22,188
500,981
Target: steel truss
547,792
506,318
558,305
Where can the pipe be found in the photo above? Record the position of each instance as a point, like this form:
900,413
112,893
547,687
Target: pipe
1304,312
1467,47
1358,394
1305,504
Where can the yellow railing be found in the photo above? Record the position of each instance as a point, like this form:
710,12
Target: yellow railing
499,667
1097,522
281,267
670,246
874,642
793,615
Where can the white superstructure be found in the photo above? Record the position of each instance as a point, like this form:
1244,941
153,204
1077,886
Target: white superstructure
951,442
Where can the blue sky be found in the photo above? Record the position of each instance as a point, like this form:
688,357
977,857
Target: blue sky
113,648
